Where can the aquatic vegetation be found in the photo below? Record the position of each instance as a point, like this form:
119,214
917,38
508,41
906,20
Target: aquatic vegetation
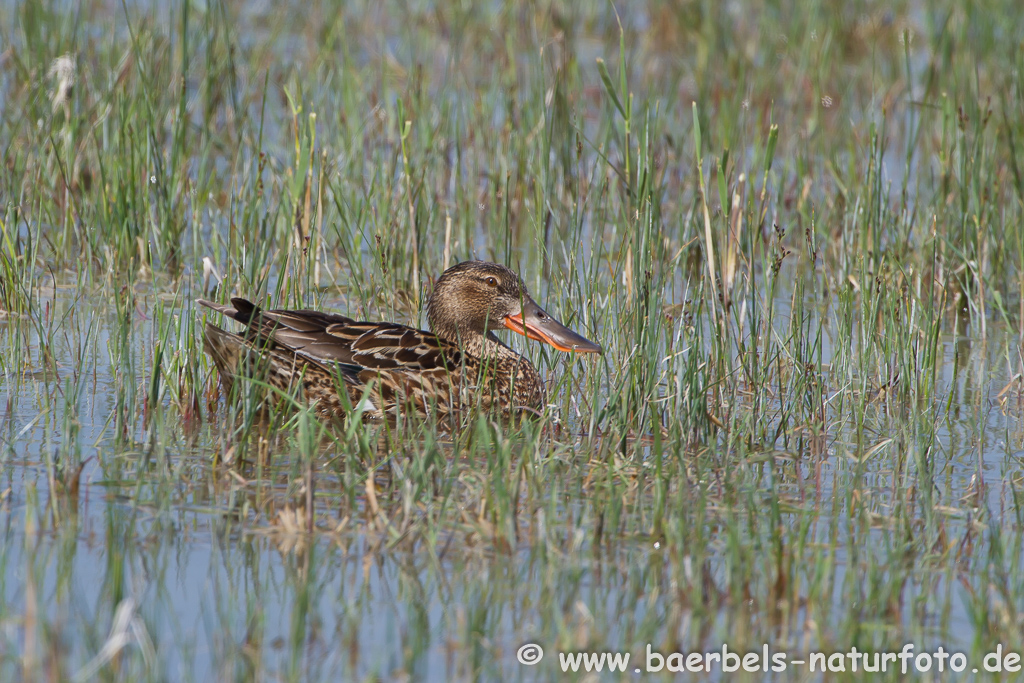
795,230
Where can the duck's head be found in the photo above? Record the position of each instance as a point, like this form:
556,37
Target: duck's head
475,297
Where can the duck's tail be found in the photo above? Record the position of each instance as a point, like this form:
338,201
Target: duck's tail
225,348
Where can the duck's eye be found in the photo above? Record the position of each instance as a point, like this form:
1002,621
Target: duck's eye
492,282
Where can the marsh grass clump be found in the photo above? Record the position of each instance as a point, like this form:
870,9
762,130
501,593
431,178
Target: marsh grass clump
796,233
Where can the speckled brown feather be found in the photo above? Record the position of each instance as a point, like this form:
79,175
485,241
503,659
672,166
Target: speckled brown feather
387,368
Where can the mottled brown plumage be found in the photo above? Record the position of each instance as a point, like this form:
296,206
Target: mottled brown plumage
382,369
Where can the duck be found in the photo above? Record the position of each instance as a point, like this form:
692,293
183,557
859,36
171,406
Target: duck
382,369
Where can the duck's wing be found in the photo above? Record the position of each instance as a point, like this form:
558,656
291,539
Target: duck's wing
390,346
296,330
332,338
411,370
403,366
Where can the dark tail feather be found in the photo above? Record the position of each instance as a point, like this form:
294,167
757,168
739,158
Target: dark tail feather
241,309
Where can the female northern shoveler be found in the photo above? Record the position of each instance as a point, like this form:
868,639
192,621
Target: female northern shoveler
386,368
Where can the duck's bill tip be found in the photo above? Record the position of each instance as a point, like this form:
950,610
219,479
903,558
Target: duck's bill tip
551,332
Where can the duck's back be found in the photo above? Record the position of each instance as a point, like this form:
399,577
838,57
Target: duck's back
386,368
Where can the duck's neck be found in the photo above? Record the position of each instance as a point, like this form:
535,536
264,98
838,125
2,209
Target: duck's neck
488,347
517,374
482,346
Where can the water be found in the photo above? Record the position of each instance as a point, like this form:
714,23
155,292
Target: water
892,519
220,587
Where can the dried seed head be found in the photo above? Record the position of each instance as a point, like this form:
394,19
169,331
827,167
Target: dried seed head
64,71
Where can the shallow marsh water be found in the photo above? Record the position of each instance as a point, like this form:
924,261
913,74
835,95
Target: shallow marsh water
809,441
221,583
